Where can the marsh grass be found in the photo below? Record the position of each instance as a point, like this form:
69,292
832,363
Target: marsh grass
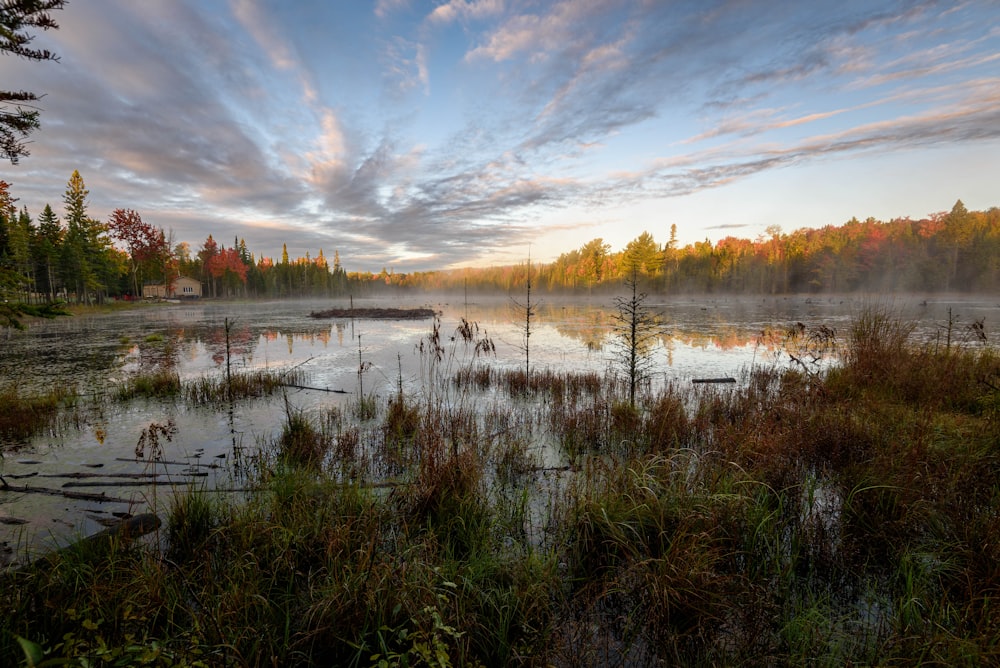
240,385
166,383
161,383
301,443
24,416
835,518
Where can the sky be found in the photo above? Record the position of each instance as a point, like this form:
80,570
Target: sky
415,135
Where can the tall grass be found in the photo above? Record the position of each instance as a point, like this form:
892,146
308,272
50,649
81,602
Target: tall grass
240,385
23,416
834,518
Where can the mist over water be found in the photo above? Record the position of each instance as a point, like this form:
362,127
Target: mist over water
702,337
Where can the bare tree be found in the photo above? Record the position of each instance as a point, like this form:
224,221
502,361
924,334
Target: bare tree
636,328
529,312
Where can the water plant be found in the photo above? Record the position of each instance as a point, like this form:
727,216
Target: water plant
775,521
24,416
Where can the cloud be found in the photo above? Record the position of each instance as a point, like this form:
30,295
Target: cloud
253,20
384,8
464,10
487,117
976,120
728,226
404,66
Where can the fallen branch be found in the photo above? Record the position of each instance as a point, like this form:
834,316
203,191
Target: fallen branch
120,483
80,496
317,389
81,475
376,313
213,465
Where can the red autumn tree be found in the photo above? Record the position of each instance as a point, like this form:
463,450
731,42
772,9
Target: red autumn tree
144,243
228,266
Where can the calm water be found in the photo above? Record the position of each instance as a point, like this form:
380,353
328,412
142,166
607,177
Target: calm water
701,338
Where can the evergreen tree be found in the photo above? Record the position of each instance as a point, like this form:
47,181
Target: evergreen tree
641,256
20,234
87,261
17,121
208,252
7,212
47,248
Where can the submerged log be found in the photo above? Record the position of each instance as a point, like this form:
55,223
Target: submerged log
713,380
316,389
118,483
376,313
127,529
211,465
80,496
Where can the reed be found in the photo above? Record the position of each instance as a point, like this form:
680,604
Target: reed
24,416
301,442
834,518
241,385
161,383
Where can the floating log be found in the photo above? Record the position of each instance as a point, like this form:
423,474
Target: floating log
112,483
80,496
376,313
78,475
212,465
13,521
713,380
316,389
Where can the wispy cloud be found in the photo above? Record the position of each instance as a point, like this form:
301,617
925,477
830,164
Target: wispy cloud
461,10
415,135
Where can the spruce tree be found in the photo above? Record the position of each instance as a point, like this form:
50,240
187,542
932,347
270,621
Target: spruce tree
18,115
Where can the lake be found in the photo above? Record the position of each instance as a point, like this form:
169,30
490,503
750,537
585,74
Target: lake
700,338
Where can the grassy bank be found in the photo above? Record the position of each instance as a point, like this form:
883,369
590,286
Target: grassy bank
846,517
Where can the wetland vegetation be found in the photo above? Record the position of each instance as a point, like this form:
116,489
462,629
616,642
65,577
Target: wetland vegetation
829,515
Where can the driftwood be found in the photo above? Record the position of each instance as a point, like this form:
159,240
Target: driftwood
376,313
317,389
118,483
80,496
12,521
713,380
81,474
213,465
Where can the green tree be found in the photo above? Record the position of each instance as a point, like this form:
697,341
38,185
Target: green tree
21,232
641,256
209,250
593,256
47,247
18,114
956,235
12,284
87,260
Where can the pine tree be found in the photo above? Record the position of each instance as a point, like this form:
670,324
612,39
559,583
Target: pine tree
47,247
20,232
86,258
17,121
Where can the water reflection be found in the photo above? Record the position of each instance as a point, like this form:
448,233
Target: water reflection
87,351
701,338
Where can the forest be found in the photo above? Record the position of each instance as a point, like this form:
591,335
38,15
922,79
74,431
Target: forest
81,259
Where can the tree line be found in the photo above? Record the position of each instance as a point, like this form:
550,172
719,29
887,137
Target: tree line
78,258
953,251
